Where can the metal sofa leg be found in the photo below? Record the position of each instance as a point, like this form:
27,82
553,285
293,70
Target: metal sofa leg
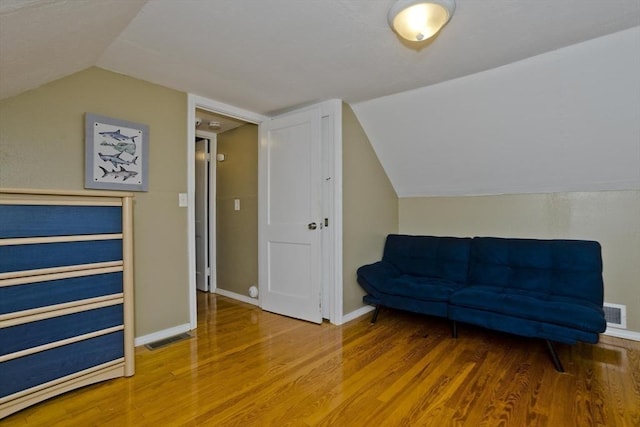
454,329
554,357
375,314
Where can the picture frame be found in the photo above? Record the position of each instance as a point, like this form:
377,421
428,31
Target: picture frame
116,154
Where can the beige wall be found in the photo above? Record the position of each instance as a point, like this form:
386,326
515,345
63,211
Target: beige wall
610,217
42,146
370,207
237,231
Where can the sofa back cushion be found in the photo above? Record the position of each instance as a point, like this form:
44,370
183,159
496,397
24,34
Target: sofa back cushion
571,268
428,256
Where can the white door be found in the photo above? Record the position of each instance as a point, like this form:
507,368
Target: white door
291,215
202,214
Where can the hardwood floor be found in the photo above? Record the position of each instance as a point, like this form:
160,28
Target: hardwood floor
246,367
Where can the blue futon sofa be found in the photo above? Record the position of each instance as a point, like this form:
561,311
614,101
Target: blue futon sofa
548,289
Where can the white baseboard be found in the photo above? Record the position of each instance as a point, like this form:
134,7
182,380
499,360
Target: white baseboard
180,329
238,297
622,333
160,335
357,313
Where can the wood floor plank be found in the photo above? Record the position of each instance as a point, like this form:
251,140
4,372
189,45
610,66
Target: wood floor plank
246,367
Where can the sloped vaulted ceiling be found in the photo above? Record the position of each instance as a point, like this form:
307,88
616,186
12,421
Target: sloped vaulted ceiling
267,56
567,120
44,40
271,55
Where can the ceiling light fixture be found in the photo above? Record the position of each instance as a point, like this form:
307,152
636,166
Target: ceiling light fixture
417,20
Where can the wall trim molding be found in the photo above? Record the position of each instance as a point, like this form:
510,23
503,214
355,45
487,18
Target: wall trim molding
180,329
622,333
160,335
237,296
357,313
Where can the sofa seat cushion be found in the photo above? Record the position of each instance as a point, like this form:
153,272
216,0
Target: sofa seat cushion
421,288
536,306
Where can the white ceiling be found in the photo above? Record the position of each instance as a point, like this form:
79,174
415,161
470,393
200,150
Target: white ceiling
266,56
568,120
44,40
537,77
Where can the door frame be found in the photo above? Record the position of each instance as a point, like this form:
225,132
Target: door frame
331,110
193,102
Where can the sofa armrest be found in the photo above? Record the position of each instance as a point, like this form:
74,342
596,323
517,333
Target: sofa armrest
372,276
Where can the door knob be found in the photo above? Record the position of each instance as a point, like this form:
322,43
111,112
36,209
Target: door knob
312,226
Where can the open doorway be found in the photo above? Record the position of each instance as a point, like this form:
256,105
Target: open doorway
204,106
226,206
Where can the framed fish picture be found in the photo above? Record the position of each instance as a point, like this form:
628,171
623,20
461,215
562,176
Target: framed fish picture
116,154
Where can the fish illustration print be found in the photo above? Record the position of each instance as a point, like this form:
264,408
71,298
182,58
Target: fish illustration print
116,160
118,136
126,147
122,173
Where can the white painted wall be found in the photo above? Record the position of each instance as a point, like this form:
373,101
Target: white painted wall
568,120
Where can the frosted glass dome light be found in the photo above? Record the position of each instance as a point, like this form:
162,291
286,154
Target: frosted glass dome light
417,20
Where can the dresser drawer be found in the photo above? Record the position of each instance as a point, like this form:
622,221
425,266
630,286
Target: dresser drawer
39,221
48,255
38,368
34,334
42,294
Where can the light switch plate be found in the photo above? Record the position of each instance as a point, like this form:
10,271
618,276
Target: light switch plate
236,204
183,200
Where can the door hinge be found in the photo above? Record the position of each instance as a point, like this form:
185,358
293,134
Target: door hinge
208,157
208,271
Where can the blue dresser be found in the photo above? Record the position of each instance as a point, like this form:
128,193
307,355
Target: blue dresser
66,292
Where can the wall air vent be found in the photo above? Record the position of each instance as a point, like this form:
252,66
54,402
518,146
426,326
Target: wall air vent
616,315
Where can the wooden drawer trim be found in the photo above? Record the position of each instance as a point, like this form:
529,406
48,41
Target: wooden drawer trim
55,270
58,239
37,192
41,313
58,276
60,343
60,202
